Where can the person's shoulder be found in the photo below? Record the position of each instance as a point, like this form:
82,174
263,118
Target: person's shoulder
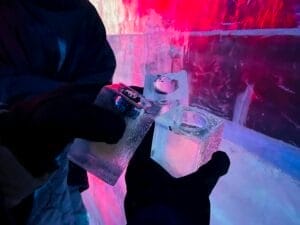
86,4
6,3
91,13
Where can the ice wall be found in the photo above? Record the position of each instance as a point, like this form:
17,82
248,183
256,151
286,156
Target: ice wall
221,65
225,45
131,16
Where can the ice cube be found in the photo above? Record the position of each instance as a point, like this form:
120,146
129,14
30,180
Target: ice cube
165,85
109,161
185,139
168,88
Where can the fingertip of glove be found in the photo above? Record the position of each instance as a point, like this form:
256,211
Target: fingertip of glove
222,161
116,131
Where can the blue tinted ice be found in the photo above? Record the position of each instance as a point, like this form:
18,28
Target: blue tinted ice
165,85
185,138
108,161
168,88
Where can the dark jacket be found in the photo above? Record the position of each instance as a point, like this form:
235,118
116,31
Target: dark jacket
48,44
54,58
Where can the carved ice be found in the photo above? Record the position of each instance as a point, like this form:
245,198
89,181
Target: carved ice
185,138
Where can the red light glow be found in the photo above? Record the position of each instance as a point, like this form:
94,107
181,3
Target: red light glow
219,14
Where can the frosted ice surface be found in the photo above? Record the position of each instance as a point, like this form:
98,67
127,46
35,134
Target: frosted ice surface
254,192
104,202
257,189
108,161
164,85
167,87
184,139
242,105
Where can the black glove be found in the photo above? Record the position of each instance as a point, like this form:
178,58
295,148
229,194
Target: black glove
39,130
155,197
69,117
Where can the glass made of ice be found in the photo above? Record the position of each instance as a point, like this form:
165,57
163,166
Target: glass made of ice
168,90
108,161
185,139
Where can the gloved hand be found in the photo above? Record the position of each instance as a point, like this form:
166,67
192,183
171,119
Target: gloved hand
41,128
69,117
155,197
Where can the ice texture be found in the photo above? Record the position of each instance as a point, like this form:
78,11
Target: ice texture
261,187
108,161
267,59
242,105
167,88
185,138
263,183
226,51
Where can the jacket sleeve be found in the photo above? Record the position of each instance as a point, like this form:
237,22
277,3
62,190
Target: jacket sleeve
97,61
19,87
89,61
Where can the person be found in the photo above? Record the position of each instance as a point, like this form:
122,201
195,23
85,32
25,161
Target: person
155,197
46,45
54,59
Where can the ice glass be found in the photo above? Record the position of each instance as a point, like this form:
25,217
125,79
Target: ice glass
168,90
108,161
185,139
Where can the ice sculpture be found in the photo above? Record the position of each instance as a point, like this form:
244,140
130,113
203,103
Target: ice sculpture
108,161
185,138
168,90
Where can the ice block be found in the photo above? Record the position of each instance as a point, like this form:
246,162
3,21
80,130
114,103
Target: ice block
108,161
185,139
168,90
